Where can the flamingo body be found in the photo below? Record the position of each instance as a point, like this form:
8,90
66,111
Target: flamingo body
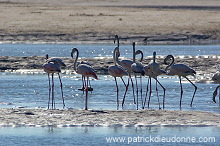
181,70
86,71
51,68
216,78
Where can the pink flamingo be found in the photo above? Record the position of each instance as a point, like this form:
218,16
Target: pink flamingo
83,77
126,64
86,71
216,79
53,66
153,70
117,71
137,69
180,70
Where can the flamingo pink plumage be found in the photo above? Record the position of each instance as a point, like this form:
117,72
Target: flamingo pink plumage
117,71
153,70
126,64
181,70
53,66
86,71
138,70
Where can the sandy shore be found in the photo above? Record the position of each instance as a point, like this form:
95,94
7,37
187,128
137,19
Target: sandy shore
93,118
96,21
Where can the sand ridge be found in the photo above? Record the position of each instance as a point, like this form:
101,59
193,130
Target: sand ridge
107,118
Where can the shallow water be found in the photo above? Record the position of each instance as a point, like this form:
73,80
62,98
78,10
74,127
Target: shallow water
31,91
90,51
152,135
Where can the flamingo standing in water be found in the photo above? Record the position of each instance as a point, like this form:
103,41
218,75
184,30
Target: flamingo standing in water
117,71
83,77
138,70
216,79
153,70
126,64
180,70
86,71
53,66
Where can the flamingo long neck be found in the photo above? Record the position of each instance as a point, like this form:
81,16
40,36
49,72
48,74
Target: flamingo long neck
142,56
172,62
117,39
134,52
75,61
114,56
154,57
117,58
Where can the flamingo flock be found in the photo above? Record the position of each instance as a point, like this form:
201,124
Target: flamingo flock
122,68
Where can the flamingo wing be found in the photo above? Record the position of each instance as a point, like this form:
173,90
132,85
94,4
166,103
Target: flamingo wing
51,68
86,70
117,71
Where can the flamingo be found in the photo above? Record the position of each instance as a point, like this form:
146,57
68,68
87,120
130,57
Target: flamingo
153,70
216,79
83,78
137,69
86,71
180,70
53,66
117,71
126,64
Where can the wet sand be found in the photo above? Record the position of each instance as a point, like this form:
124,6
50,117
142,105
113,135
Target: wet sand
110,118
96,21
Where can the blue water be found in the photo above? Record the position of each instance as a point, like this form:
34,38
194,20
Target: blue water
183,135
31,91
90,51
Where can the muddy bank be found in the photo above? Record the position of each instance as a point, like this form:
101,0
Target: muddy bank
111,118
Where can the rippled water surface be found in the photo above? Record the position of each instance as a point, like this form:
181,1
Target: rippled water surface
31,91
90,51
184,135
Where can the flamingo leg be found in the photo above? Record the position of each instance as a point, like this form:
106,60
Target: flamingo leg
194,90
125,93
164,93
149,94
157,95
132,84
49,90
117,90
181,93
142,101
61,88
146,92
86,87
83,82
53,102
136,90
123,81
